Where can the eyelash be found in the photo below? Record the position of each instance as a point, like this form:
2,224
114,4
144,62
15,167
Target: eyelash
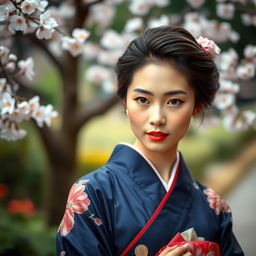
174,102
138,99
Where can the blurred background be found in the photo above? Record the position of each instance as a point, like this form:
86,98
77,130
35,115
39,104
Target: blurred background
77,78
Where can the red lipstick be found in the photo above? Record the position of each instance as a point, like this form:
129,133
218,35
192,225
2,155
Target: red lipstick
157,136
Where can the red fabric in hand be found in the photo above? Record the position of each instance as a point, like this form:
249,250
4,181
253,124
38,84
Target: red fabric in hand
197,248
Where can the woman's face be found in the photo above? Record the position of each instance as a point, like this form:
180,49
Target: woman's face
160,104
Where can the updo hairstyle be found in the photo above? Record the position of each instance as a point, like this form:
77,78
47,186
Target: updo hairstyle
177,47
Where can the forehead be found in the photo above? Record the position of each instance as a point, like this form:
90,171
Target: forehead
159,77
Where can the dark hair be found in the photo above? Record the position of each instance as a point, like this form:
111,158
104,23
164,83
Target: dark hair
178,47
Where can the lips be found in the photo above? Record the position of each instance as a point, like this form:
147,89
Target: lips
157,135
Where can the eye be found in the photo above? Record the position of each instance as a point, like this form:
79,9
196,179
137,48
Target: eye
175,102
142,100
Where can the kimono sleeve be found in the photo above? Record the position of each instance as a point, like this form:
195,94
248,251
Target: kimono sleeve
229,245
84,229
227,241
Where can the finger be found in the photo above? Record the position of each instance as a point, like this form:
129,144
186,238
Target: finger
179,251
188,254
167,250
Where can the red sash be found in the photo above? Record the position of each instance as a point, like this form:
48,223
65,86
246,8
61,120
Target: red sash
152,218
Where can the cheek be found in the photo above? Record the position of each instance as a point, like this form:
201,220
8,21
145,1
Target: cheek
182,121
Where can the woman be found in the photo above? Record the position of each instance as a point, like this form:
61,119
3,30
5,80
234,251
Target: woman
164,79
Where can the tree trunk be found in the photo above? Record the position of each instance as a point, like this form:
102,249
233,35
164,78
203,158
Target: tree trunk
61,176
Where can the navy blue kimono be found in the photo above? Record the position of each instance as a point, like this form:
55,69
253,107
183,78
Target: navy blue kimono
108,207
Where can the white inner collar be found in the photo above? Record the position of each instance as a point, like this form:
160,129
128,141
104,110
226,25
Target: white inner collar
173,172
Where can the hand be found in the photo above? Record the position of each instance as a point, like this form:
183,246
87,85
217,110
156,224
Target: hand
176,251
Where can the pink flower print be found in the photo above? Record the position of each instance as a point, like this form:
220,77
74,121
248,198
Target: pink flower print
63,253
97,221
78,202
216,202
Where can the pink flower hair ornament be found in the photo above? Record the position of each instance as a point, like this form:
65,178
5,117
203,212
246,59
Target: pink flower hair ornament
209,46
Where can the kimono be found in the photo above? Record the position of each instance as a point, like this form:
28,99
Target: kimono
108,207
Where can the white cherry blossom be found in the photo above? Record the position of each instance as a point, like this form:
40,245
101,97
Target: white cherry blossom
24,109
247,19
246,71
27,68
133,24
234,36
103,13
109,57
80,34
47,21
161,3
4,13
44,33
41,5
33,104
16,116
139,7
4,54
109,86
194,28
97,74
18,23
72,45
228,59
28,6
162,21
10,67
224,100
12,57
196,3
227,86
8,103
111,40
44,114
250,51
11,132
225,11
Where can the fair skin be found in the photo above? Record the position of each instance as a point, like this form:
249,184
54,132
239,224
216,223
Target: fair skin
160,104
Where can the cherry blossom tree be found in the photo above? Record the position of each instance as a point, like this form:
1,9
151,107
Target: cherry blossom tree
73,32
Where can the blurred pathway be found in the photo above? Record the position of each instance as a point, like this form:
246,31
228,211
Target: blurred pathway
242,200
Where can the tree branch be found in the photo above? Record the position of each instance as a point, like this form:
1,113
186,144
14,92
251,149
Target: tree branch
240,10
95,2
27,91
86,112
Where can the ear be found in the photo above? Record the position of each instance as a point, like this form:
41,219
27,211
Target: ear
198,108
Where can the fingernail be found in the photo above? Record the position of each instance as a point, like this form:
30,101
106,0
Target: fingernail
186,245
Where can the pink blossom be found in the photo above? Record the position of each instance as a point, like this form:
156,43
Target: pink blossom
78,202
208,45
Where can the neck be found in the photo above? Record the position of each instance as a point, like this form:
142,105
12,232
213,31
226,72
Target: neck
163,161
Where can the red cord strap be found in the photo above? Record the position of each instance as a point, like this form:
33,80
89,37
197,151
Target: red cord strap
158,209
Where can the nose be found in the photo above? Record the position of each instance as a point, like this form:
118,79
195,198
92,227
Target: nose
157,116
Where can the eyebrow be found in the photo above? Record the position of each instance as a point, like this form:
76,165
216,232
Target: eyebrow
175,92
